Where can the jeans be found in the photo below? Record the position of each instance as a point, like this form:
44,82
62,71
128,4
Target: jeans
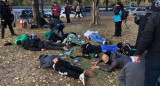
109,48
152,72
46,26
97,38
58,26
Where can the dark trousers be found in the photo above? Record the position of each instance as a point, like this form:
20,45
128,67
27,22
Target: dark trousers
152,72
3,28
118,28
81,13
55,38
49,46
58,26
78,14
68,17
74,71
56,17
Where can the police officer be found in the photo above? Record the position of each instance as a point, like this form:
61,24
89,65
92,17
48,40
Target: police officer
6,17
150,41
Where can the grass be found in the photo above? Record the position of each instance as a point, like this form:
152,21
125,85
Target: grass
19,67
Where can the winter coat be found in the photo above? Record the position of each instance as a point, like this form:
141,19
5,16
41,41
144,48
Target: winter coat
118,14
57,11
24,39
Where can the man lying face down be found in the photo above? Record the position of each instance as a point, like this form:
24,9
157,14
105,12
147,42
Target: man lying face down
88,48
63,67
38,45
115,60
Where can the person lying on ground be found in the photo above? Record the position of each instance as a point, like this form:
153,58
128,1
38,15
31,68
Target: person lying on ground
55,25
24,38
88,48
94,36
73,40
132,74
126,49
38,45
65,68
55,37
115,60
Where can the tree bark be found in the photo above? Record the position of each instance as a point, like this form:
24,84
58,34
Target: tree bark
41,8
95,13
36,13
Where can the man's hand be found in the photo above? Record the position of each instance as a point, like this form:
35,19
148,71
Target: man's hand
3,20
95,67
95,63
136,58
42,49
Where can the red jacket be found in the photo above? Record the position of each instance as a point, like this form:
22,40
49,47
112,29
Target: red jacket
57,11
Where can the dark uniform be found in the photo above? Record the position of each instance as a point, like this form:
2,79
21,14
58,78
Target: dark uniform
7,17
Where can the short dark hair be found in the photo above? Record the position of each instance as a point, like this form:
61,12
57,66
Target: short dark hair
108,53
119,45
66,2
19,42
55,2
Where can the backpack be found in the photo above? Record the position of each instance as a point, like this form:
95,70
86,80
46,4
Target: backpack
124,14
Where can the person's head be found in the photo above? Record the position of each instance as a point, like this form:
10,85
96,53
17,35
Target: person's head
4,2
105,56
55,3
119,4
19,42
121,45
66,4
55,60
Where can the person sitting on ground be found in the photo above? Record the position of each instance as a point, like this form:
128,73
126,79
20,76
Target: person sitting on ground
38,45
94,36
126,49
88,48
65,68
132,74
24,38
114,59
55,25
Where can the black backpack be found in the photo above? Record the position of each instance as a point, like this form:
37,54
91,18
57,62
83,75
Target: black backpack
124,14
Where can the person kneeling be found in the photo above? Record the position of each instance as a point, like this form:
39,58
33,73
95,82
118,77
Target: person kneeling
65,68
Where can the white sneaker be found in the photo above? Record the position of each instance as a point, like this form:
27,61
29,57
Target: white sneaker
65,48
59,41
82,78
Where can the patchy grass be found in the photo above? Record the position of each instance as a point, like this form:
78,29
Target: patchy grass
19,67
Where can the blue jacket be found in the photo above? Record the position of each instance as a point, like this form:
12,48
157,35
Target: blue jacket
46,61
118,17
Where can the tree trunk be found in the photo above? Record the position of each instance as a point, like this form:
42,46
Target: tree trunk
106,5
95,13
41,8
36,13
138,2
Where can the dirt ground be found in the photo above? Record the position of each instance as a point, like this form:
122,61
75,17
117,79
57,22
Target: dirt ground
19,67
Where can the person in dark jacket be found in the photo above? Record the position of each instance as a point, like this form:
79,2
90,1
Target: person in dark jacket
67,12
38,45
126,49
88,48
132,74
6,17
55,25
117,19
150,41
114,59
65,68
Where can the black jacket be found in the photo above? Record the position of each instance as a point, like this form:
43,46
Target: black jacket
116,11
54,22
88,48
128,50
116,60
34,45
5,13
62,66
150,39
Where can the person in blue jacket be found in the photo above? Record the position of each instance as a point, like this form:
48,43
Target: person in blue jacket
117,18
